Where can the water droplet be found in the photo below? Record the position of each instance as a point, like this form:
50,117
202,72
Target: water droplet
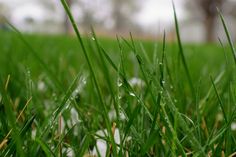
119,83
163,82
54,96
67,105
28,72
132,94
93,38
84,81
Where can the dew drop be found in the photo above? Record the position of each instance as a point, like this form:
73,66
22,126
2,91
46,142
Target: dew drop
132,94
119,83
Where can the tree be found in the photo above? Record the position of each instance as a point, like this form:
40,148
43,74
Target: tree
209,14
122,11
51,5
88,17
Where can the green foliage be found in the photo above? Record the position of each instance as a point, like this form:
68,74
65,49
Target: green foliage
166,99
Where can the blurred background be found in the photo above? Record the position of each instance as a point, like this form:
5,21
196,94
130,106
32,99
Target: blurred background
198,19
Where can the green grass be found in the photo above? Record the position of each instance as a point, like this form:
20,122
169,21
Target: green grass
56,93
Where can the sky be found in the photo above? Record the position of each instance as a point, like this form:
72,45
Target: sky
157,14
159,10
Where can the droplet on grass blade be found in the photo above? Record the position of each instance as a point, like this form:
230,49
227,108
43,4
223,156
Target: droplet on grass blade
112,115
132,94
233,126
119,82
68,151
41,86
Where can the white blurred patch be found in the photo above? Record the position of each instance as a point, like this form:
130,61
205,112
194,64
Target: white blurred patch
112,115
136,82
69,152
74,119
33,133
102,144
70,122
42,86
233,126
81,84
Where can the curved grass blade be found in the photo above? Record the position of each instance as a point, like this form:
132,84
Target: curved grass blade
105,113
37,57
219,99
48,152
181,51
228,36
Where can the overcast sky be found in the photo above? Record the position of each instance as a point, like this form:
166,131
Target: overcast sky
156,14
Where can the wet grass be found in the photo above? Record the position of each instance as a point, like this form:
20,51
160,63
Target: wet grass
148,98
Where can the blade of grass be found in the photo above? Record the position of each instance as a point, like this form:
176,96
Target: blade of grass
37,57
48,152
8,106
219,99
181,52
153,134
105,115
106,73
193,140
228,36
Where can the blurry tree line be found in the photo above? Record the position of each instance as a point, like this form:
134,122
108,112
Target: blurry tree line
120,13
206,11
118,17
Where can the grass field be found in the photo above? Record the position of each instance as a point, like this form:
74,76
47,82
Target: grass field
115,97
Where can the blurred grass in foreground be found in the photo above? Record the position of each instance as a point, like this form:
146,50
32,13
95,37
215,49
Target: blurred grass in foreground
50,105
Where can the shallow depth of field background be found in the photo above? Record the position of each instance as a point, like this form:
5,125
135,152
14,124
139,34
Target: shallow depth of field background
198,19
135,86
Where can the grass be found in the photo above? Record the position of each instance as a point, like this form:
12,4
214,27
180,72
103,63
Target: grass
165,99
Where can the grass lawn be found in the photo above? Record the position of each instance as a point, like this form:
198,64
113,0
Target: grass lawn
113,97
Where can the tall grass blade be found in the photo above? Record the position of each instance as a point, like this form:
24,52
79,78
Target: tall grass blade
38,58
228,36
105,115
219,99
181,52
